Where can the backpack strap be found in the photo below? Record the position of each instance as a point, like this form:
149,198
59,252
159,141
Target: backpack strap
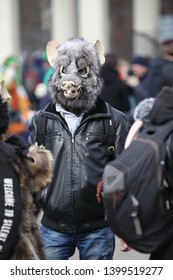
41,127
110,133
109,125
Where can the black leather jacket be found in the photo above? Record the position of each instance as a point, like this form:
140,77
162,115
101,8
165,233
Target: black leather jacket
70,204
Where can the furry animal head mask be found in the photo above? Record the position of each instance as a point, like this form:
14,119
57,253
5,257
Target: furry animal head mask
76,81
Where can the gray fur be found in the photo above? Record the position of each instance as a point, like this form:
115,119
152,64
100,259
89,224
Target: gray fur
73,56
142,110
33,175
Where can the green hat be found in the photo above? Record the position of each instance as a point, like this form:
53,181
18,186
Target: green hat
9,60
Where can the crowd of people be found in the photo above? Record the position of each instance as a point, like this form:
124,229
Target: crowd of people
125,83
27,84
69,88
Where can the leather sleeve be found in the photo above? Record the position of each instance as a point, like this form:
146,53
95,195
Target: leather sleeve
33,130
121,127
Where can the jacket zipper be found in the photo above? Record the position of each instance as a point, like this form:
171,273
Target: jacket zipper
72,183
54,116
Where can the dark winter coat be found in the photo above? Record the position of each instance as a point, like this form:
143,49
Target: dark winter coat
161,112
115,92
10,205
141,90
70,204
22,173
158,76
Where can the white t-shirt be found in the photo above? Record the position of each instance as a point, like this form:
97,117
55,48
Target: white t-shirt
72,120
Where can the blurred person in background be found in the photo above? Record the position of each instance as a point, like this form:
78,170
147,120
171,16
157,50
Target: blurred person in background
47,69
161,68
114,91
30,79
42,91
140,119
137,76
167,74
160,73
123,67
20,106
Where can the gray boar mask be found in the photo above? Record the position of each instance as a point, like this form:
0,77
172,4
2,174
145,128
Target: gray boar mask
75,82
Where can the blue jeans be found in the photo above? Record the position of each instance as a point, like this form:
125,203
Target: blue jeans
95,245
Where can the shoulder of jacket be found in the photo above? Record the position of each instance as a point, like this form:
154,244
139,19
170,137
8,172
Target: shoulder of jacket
116,113
41,111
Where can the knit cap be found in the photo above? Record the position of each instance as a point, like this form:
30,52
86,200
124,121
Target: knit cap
143,108
140,60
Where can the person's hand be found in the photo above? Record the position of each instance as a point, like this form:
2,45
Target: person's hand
123,246
132,81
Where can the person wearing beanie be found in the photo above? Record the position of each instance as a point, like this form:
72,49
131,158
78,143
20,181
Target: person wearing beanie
141,119
142,110
140,60
138,74
157,111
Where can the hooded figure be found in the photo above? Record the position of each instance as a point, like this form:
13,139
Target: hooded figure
161,112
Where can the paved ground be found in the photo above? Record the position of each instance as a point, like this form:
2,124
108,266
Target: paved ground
131,255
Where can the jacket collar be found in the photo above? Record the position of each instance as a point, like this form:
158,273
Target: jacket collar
100,108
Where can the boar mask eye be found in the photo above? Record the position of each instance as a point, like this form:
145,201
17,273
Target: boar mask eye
83,72
63,70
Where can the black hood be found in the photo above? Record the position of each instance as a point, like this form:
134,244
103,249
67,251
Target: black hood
162,109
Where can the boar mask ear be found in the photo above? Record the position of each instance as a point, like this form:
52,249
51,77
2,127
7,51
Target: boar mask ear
52,50
100,50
